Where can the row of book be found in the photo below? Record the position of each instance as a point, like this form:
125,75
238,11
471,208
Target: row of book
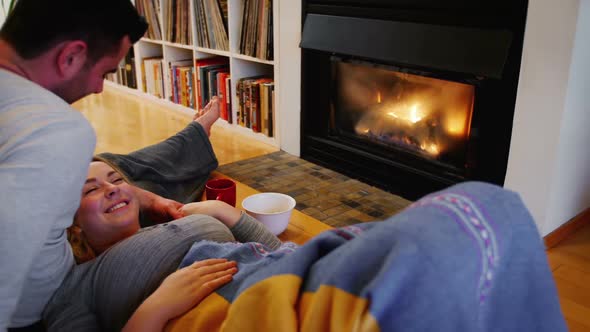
256,104
178,27
125,74
150,9
211,16
257,29
193,84
189,84
211,21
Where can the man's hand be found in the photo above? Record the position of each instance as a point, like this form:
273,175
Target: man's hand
164,210
157,208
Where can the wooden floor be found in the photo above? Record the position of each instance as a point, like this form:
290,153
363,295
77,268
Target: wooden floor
124,123
570,263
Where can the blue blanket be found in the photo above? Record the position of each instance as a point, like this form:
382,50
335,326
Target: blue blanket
468,258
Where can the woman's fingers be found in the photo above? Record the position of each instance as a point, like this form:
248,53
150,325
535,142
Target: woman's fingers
219,274
219,281
221,266
207,262
210,286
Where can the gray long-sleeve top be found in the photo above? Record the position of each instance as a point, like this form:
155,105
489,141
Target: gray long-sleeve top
102,294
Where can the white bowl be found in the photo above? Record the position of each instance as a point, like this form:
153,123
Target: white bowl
271,209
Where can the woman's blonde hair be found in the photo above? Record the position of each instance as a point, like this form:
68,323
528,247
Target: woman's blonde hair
80,246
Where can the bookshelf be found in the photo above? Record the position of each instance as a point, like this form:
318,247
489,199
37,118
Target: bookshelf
241,66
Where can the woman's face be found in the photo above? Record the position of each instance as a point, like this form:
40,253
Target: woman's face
109,210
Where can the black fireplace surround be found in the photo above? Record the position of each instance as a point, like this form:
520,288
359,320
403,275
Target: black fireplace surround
478,43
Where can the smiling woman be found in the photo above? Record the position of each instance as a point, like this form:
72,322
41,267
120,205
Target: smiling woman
107,233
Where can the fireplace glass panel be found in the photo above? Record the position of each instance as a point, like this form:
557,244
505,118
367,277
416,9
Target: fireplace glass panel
421,115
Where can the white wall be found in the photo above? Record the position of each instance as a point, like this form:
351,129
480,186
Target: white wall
548,164
289,55
570,192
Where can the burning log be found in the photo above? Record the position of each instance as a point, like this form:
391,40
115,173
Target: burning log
416,133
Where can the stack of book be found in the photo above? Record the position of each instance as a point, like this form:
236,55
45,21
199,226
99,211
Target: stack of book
125,74
151,76
170,80
150,9
257,29
179,82
256,104
211,19
178,29
213,79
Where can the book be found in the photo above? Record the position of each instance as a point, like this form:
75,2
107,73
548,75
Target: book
175,86
268,107
151,69
229,99
264,108
255,103
212,76
244,31
271,114
205,81
222,94
200,63
167,80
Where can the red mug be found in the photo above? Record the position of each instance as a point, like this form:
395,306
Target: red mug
221,190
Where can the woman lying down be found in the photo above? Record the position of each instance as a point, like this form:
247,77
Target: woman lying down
468,258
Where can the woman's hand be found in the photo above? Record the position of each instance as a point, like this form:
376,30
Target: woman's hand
219,210
186,287
179,292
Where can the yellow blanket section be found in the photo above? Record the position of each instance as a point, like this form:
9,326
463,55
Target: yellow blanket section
275,304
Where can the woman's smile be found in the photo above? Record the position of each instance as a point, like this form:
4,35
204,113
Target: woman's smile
118,206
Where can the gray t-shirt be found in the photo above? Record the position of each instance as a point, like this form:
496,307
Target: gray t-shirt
45,149
102,294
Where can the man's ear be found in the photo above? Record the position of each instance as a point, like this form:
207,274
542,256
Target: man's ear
71,58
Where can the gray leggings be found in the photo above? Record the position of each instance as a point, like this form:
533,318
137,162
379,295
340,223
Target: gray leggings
176,168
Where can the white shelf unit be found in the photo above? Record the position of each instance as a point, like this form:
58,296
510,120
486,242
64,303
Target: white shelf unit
240,65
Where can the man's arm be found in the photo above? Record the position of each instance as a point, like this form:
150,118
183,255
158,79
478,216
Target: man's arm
43,165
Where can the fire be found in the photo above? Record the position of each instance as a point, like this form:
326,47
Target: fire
415,115
432,149
455,126
421,114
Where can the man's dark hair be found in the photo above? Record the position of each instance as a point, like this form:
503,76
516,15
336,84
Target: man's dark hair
35,26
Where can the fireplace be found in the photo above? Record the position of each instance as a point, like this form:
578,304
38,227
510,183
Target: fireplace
410,96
